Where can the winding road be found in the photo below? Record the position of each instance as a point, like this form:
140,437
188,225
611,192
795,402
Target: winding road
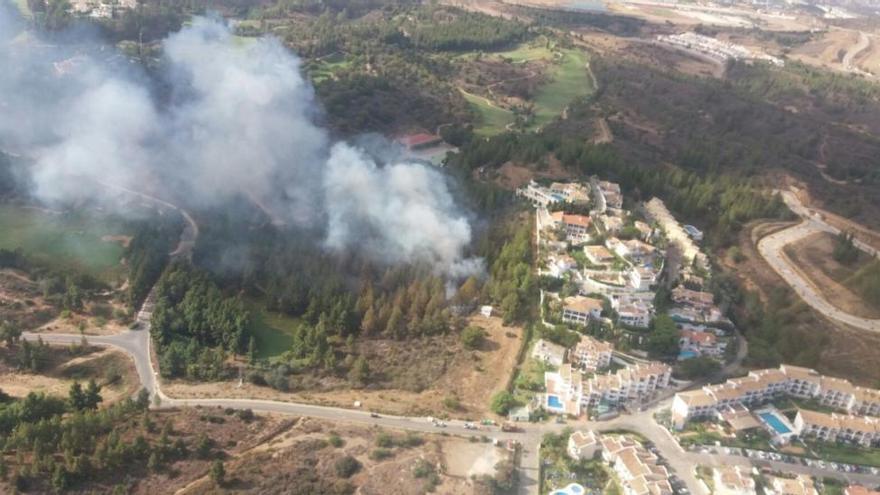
771,249
137,344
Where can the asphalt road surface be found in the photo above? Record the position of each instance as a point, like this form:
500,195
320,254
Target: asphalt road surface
771,249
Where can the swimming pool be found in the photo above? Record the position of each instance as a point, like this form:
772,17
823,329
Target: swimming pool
571,489
554,402
686,355
775,423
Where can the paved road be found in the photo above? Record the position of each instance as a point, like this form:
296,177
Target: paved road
771,249
854,51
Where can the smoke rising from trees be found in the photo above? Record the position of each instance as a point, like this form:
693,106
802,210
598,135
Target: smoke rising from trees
224,120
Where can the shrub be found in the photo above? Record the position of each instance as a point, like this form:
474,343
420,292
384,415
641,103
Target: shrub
346,466
379,454
472,337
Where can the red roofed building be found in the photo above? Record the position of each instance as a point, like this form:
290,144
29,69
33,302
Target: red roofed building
577,227
419,141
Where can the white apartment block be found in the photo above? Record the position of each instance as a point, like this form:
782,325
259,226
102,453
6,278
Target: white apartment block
634,313
860,430
591,355
638,382
538,195
658,212
760,386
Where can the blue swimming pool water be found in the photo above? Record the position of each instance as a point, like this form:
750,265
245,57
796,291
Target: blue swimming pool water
774,423
686,355
553,401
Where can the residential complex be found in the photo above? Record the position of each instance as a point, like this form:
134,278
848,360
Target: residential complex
860,430
569,393
761,386
676,234
716,49
638,470
548,353
591,355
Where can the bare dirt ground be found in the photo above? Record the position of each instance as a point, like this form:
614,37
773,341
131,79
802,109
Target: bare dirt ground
89,325
512,176
302,459
470,379
21,300
847,352
113,370
813,256
861,232
467,459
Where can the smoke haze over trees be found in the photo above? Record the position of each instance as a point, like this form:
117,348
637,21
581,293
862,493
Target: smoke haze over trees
219,121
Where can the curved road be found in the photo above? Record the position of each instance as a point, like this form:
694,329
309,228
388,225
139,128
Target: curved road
137,343
771,249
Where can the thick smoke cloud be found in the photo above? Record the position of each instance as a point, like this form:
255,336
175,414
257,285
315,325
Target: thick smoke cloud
233,120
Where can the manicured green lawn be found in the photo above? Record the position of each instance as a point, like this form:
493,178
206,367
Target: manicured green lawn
492,119
69,241
569,80
272,331
325,68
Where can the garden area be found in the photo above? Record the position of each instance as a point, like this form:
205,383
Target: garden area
558,470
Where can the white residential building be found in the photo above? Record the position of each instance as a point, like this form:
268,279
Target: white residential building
760,386
639,470
576,227
583,444
598,255
591,355
549,353
860,430
580,310
634,312
733,480
571,192
538,195
801,485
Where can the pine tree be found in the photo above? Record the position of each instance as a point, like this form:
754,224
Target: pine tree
92,395
252,350
76,397
218,472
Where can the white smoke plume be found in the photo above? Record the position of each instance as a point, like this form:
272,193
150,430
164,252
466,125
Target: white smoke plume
239,121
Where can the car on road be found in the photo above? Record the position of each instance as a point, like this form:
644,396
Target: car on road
375,415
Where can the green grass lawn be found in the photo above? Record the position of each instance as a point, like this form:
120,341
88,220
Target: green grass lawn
272,331
326,67
70,241
569,80
492,120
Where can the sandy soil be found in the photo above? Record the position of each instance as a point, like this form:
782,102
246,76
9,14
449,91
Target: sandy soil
472,382
298,451
466,459
72,325
103,366
813,256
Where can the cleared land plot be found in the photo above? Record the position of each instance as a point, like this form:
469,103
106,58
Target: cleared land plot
813,256
444,369
111,369
69,241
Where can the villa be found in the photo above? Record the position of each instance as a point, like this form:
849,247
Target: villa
576,227
733,480
580,310
598,255
634,312
583,444
802,485
571,192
